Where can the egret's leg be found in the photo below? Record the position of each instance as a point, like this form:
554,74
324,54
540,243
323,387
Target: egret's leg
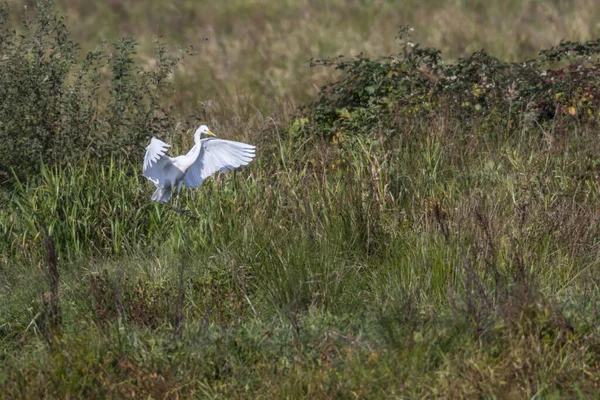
187,213
178,193
182,212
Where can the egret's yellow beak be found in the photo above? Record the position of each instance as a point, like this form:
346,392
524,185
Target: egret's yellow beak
210,133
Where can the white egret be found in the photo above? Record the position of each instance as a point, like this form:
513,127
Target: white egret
204,159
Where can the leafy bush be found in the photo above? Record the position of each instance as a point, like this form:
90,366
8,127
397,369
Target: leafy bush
376,93
57,106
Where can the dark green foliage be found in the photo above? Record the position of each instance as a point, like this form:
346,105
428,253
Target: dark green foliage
58,106
375,94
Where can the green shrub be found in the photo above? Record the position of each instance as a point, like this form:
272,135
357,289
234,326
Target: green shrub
57,106
375,95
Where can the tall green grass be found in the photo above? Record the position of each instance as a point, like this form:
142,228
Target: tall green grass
362,268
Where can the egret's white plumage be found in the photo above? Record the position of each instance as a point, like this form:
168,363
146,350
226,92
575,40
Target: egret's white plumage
204,159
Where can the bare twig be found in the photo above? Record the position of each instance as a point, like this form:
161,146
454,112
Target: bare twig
50,315
178,328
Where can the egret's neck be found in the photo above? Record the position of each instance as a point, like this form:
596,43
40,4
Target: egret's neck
197,138
186,161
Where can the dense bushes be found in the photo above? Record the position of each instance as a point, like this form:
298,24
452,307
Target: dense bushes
560,85
57,106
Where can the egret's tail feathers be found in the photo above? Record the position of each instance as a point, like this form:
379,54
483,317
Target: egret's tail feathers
162,194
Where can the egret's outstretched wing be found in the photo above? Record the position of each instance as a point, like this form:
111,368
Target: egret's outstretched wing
154,151
217,155
156,162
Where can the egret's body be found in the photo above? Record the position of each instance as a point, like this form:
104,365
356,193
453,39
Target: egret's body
204,159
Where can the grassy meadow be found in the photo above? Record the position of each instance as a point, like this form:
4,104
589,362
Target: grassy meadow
420,222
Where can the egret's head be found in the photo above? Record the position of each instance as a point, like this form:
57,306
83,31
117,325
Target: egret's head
203,130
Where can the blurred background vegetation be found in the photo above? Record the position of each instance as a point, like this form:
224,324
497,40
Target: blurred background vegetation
421,221
257,52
